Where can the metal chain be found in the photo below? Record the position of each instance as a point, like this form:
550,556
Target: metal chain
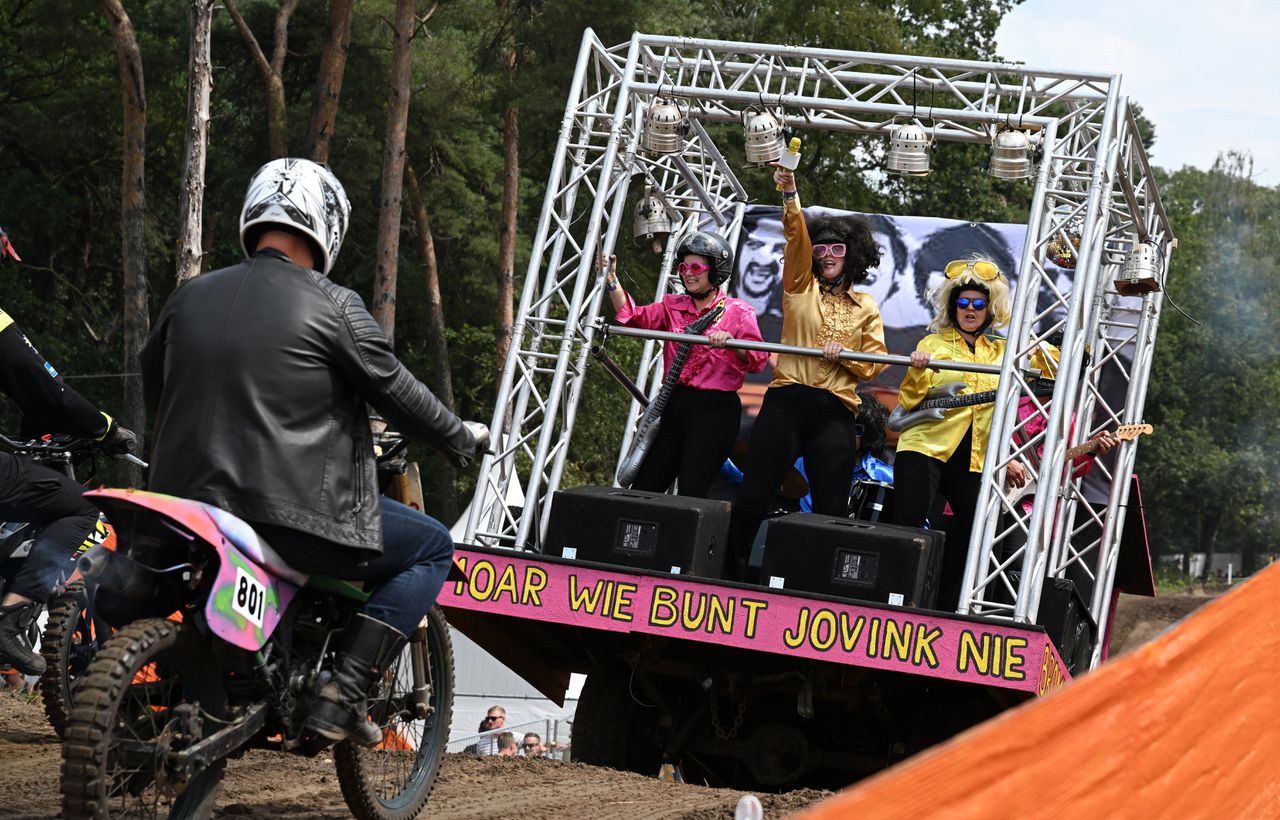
737,719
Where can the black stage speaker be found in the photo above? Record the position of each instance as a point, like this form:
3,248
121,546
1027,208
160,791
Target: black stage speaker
1065,617
862,560
633,528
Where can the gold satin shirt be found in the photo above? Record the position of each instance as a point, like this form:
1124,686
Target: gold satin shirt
939,439
811,318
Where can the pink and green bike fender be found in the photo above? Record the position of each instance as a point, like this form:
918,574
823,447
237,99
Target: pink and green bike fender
246,600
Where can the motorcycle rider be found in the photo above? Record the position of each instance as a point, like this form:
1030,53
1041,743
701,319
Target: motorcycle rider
258,377
33,493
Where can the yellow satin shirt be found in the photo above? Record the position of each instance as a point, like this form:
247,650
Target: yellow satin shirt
811,318
939,439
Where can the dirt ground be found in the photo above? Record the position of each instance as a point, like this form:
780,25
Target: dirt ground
268,784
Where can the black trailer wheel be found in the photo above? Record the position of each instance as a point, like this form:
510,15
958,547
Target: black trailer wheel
151,692
393,780
610,728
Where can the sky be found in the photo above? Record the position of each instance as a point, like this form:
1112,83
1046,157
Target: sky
1205,73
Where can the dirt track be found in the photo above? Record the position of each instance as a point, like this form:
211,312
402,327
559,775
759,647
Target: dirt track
268,784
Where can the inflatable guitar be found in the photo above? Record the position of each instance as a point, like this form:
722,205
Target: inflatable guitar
648,429
945,397
1125,432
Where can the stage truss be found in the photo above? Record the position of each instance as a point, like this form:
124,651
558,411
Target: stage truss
1094,181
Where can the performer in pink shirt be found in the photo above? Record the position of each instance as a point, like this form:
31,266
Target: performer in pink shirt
699,421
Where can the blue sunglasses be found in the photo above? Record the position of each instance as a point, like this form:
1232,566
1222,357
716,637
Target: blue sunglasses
964,301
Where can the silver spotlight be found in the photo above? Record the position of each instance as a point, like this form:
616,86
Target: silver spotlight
909,151
664,125
1010,155
1142,270
651,224
764,136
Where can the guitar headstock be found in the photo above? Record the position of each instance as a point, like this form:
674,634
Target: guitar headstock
1128,432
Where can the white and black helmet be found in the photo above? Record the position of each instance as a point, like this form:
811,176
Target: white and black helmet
300,196
715,248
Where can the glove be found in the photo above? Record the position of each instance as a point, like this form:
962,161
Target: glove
119,440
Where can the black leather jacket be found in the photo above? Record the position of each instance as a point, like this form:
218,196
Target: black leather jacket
257,377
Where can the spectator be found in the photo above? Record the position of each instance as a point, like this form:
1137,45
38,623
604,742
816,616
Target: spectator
506,744
532,745
495,719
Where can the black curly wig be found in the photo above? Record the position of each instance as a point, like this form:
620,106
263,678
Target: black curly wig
862,251
873,415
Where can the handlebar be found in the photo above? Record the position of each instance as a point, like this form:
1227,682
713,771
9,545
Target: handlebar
62,447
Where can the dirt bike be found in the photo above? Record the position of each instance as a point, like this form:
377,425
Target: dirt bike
164,704
70,633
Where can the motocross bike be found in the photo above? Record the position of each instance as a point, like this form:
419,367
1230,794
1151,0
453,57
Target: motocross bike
70,633
164,704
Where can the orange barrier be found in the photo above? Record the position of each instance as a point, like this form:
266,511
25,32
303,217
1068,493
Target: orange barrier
1186,726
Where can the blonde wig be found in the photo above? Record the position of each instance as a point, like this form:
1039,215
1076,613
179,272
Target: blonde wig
999,303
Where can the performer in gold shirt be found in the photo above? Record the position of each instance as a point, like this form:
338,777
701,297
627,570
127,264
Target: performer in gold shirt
811,405
946,456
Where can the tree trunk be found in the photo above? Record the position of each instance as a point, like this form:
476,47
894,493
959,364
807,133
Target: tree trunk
191,198
1209,526
328,90
133,259
437,350
384,280
277,123
504,317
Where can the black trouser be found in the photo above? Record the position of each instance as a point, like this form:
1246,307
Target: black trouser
795,420
917,481
33,493
698,430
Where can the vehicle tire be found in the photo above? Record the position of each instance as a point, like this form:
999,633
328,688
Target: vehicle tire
611,729
68,645
393,780
152,680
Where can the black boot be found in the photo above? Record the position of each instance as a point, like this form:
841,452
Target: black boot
342,709
15,638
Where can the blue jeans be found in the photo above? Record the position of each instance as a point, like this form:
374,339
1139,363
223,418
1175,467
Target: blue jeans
417,551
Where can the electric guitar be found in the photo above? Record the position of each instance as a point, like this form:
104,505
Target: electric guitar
1125,432
946,396
648,429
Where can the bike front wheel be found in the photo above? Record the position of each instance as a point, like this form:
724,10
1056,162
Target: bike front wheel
393,780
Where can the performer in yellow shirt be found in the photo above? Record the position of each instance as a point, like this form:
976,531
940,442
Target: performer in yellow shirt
811,405
946,456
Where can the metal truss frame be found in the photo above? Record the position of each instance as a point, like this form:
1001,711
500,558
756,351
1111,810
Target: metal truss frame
1094,181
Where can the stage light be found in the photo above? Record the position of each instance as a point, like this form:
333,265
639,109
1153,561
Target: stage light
764,136
664,126
909,151
1143,267
1010,155
651,223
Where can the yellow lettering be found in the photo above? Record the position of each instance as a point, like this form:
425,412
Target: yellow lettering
588,598
664,598
970,653
793,640
873,639
622,605
692,621
483,570
720,616
535,580
1013,658
823,632
507,584
458,585
849,637
897,640
753,608
924,646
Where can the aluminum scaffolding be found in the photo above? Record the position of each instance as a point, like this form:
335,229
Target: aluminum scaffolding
1093,183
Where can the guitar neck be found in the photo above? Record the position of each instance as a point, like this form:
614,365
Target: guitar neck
695,328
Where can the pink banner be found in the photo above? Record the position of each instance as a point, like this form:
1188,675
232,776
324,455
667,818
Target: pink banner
880,638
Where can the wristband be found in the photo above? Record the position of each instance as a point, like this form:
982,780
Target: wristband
612,285
110,424
789,195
